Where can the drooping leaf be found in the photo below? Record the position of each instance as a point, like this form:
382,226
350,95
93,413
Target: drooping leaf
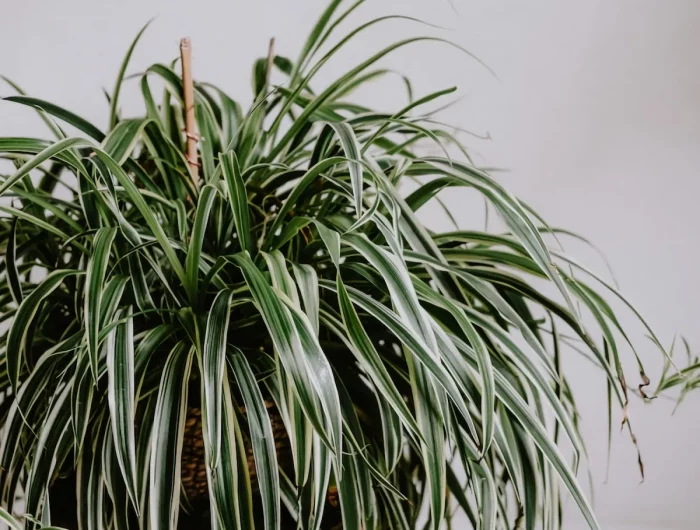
166,440
213,365
13,281
42,468
262,440
121,398
21,325
229,484
301,355
94,284
352,151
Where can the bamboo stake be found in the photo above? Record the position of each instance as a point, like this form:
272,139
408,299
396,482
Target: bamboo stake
270,60
188,97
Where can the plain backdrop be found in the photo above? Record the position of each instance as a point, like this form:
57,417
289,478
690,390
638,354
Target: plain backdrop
594,118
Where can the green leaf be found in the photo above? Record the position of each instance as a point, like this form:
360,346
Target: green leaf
30,396
290,230
314,36
406,110
123,138
166,441
335,86
353,488
194,251
307,280
81,399
410,318
309,177
392,433
34,221
207,127
42,467
428,405
94,285
238,198
229,484
10,521
90,487
513,213
61,113
322,464
213,368
54,150
140,284
115,486
537,432
120,78
18,334
525,365
13,281
143,455
48,121
300,354
262,440
120,395
370,360
352,151
470,461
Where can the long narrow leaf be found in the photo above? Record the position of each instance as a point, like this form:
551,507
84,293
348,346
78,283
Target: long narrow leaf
262,440
213,365
94,284
120,393
194,252
120,78
18,335
13,281
166,442
298,347
237,197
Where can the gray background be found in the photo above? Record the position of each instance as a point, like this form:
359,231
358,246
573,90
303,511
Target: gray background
595,115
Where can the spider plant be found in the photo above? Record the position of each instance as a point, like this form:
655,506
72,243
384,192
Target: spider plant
282,276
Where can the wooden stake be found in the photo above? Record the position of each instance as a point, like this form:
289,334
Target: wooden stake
188,97
270,61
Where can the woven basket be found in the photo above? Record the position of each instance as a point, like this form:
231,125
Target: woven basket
194,471
194,467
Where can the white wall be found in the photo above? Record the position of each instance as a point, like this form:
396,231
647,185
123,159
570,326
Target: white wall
596,115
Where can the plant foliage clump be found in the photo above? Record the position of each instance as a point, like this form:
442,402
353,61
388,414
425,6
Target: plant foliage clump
413,371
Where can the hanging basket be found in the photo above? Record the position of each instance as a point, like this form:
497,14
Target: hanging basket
194,471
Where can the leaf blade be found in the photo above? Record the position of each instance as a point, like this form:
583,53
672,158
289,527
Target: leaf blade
17,335
213,365
262,440
94,284
121,399
166,442
238,198
120,77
